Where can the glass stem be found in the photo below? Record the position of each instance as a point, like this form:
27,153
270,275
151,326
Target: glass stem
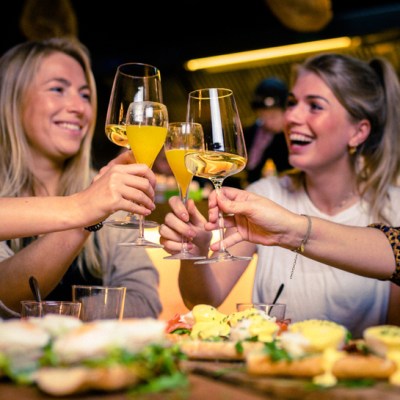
184,197
141,226
221,226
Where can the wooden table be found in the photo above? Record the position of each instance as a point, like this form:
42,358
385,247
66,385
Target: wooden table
226,381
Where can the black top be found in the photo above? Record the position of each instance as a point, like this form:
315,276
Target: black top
73,276
277,151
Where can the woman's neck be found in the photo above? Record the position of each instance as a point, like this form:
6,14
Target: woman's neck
48,177
334,195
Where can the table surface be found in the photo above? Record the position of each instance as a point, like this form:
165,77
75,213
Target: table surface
221,380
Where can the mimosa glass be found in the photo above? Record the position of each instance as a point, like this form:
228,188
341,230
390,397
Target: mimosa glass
132,82
182,138
146,128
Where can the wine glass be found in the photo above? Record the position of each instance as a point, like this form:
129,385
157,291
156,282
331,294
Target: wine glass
182,138
146,128
132,82
224,151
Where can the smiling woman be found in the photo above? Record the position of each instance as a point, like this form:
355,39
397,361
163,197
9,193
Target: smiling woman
50,86
340,126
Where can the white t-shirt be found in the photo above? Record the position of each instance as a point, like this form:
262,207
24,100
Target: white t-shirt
317,290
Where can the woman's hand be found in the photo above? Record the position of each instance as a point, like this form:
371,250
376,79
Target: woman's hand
128,187
187,222
256,219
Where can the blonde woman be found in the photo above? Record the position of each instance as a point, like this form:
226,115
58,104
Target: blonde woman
341,127
47,114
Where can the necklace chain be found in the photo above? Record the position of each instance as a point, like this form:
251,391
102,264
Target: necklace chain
351,195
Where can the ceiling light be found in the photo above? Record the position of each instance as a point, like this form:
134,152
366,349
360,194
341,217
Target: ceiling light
246,57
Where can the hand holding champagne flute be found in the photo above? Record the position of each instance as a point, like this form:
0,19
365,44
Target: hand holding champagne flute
224,151
132,82
182,138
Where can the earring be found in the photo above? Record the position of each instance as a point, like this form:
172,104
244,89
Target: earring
352,150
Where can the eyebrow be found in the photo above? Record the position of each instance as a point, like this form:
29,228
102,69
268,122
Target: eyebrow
311,97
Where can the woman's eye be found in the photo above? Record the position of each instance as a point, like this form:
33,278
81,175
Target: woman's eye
58,89
290,102
315,106
86,96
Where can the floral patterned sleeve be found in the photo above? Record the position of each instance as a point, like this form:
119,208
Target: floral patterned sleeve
393,235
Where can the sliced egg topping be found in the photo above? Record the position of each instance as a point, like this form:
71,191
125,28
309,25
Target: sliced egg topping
384,340
209,323
252,323
321,334
316,336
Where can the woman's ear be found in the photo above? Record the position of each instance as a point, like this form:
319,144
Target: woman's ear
361,132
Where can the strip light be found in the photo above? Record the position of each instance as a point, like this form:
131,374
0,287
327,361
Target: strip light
246,57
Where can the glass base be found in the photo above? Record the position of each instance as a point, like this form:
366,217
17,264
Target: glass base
130,223
221,257
141,242
184,256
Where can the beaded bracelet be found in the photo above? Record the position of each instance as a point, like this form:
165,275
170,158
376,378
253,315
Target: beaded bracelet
300,249
94,228
393,235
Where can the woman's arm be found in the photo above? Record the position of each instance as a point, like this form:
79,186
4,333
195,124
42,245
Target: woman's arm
360,250
119,187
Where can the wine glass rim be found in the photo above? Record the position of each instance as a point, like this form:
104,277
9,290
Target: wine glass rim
204,93
144,66
183,123
147,102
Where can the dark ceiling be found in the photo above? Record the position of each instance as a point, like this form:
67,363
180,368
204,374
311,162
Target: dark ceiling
166,34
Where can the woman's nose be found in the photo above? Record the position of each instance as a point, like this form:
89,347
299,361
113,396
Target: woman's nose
293,114
76,103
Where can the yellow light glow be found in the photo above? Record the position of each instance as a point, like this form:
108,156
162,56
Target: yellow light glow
270,53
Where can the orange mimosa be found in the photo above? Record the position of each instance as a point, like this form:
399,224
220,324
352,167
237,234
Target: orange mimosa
146,142
176,160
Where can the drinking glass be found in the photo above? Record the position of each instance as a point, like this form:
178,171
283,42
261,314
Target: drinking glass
32,308
224,152
100,302
182,138
132,82
146,128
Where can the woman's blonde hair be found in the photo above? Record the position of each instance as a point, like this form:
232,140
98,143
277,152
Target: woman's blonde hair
18,67
367,90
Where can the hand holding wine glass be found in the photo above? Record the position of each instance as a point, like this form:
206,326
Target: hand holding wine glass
182,138
146,128
132,82
224,151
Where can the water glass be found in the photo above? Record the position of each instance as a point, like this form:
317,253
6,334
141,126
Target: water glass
100,302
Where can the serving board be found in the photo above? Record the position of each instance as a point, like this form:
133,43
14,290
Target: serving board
288,388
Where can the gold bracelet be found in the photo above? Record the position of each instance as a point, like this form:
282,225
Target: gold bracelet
300,249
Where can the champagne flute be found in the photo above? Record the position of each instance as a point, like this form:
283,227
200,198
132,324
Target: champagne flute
224,151
182,138
132,82
146,128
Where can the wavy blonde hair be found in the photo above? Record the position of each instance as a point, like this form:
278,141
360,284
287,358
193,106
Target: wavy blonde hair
367,90
18,66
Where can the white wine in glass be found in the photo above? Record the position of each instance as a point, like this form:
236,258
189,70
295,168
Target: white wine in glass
146,128
182,138
224,151
132,82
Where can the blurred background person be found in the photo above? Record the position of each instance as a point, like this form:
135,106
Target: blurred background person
266,145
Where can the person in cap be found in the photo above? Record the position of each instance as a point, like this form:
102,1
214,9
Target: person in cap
265,140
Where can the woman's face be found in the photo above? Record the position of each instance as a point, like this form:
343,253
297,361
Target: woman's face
317,127
57,111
